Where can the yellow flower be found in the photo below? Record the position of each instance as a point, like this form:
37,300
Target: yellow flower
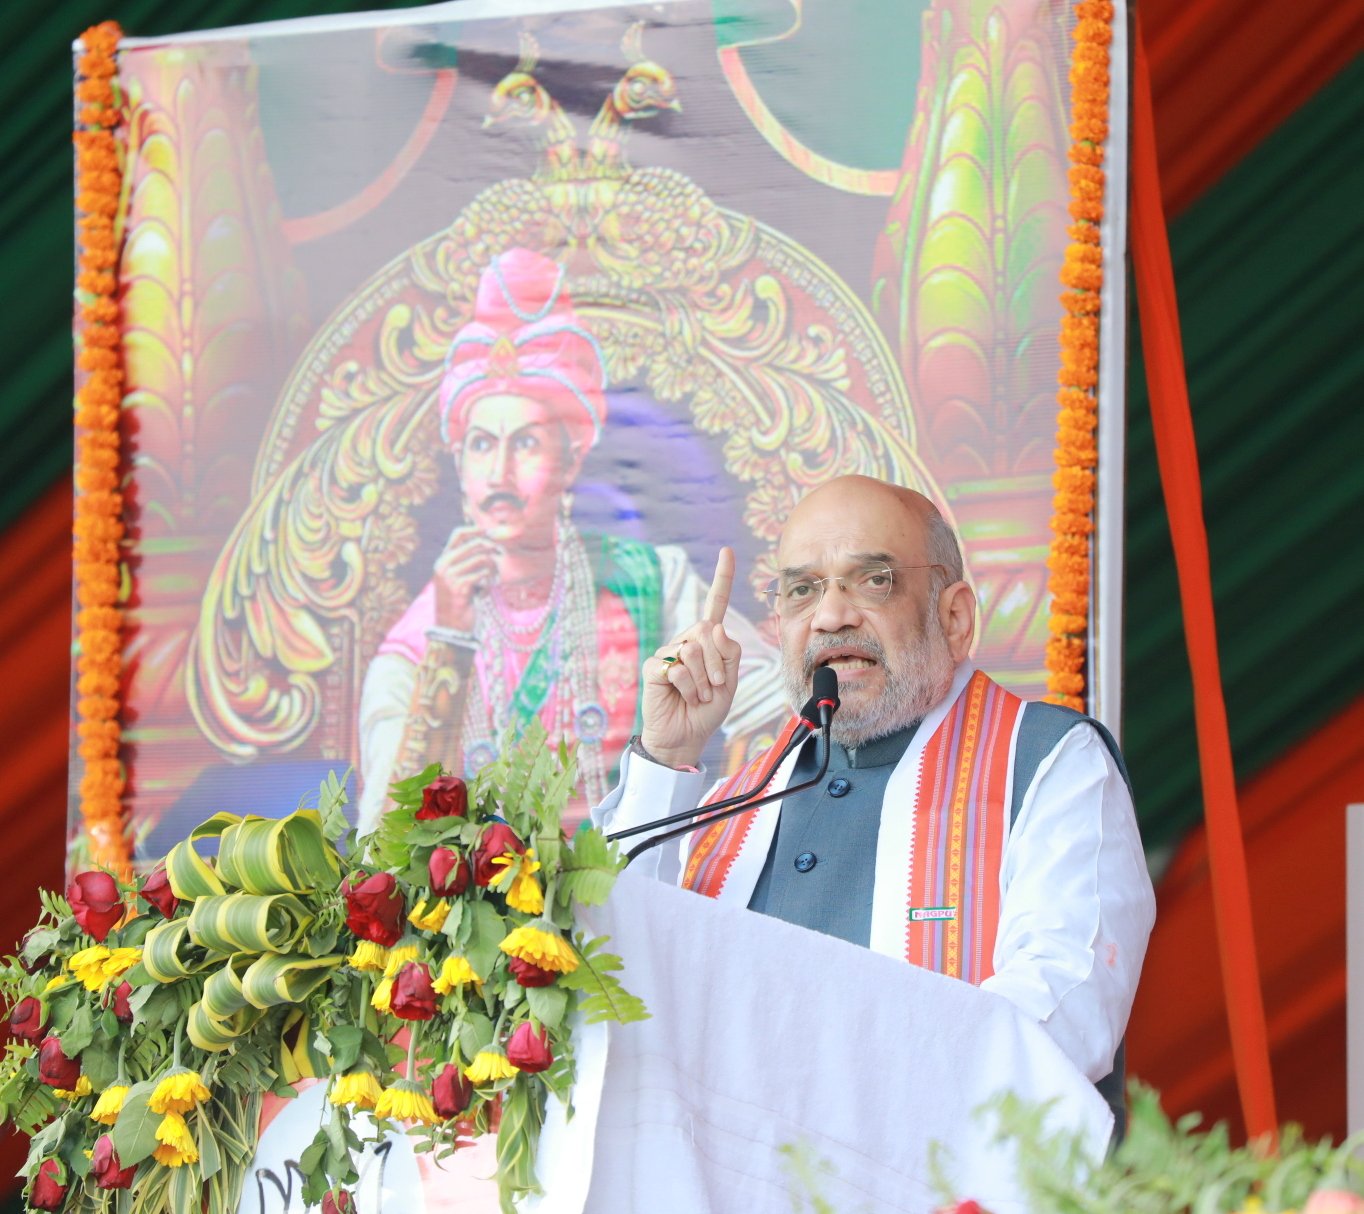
83,1088
109,1104
505,862
406,1102
398,957
488,1066
120,961
368,956
178,1092
56,983
88,966
177,1143
454,973
380,1001
525,894
429,920
359,1089
548,950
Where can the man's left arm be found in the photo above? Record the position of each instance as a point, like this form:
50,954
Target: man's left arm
1076,904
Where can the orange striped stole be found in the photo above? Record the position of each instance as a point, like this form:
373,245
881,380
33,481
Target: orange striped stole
961,819
716,847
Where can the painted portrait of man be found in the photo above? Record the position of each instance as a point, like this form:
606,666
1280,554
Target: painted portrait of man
556,619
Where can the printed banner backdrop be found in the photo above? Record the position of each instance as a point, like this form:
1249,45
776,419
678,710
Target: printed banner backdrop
553,300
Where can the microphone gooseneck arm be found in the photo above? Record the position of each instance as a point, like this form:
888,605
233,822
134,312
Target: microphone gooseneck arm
803,730
743,807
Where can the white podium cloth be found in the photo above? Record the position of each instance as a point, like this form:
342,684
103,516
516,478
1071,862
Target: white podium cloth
765,1036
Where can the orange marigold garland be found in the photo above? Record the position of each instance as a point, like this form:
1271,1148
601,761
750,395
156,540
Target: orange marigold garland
98,527
1077,453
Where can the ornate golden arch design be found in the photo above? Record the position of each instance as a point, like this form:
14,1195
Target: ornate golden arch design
762,340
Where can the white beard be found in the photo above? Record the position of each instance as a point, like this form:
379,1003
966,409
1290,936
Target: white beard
916,681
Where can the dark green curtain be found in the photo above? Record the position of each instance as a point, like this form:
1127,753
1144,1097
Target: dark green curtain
1269,267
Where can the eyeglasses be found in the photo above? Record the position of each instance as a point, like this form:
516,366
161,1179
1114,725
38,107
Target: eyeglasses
796,597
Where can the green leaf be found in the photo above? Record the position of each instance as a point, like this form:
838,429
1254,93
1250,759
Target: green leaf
591,865
210,1158
474,1034
547,1004
486,929
79,1031
603,997
134,1132
346,1040
185,1190
331,805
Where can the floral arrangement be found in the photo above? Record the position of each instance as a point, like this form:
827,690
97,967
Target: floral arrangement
98,527
429,972
1077,453
1165,1167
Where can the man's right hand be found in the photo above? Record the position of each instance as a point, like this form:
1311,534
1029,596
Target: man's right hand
467,566
689,683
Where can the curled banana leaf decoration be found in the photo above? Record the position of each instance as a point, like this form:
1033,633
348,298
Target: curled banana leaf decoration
250,923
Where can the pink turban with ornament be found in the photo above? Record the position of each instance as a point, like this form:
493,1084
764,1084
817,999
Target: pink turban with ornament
525,339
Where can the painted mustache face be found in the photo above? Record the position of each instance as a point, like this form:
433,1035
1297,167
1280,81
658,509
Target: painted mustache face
508,500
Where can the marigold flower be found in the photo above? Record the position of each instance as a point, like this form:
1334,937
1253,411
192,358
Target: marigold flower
88,966
83,1088
178,1092
489,1066
429,920
368,956
526,895
120,961
358,1089
177,1143
399,957
109,1104
547,949
382,998
454,973
404,1101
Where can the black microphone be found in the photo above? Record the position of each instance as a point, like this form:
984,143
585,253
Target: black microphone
826,694
826,701
806,725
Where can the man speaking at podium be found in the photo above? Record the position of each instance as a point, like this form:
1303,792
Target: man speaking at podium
957,827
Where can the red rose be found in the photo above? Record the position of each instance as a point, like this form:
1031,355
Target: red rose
49,1186
157,891
26,1021
444,797
104,1166
528,1049
413,997
338,1201
96,903
497,840
54,1068
449,873
527,973
451,1092
963,1207
374,908
123,1011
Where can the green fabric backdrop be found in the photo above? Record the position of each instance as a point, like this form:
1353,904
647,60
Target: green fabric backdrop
1270,270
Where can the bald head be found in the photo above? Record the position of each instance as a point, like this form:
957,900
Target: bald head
903,522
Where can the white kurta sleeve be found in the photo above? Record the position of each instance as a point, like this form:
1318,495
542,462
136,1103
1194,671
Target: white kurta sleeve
647,791
385,698
1076,904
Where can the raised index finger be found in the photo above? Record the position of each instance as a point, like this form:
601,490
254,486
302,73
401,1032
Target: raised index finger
717,601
